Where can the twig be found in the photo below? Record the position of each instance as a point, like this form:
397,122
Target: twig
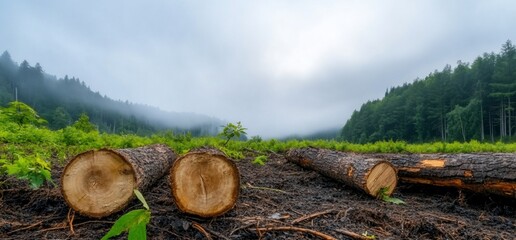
78,224
164,230
217,234
445,218
248,185
51,229
88,222
351,234
287,228
70,220
345,213
201,229
25,228
240,228
313,215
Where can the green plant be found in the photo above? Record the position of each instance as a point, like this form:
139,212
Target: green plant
232,130
21,114
134,221
382,194
233,154
368,236
84,124
35,170
256,139
260,160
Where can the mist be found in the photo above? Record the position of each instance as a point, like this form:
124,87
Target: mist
281,68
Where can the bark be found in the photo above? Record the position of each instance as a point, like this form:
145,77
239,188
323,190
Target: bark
98,183
205,183
358,171
480,172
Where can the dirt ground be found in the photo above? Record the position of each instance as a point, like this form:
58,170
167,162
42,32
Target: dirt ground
276,202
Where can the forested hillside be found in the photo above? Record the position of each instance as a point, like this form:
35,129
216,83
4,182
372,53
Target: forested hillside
470,101
61,102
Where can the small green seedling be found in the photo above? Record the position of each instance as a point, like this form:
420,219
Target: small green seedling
260,160
368,236
232,130
382,194
134,221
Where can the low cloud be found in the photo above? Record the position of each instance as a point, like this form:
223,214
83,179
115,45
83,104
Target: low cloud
280,67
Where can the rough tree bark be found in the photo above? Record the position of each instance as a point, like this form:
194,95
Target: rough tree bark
205,183
365,173
98,183
480,172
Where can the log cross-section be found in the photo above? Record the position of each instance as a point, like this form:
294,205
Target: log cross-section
205,183
367,174
98,183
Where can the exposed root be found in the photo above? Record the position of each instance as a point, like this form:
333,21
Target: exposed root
70,217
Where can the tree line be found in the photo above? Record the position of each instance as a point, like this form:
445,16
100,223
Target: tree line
61,101
469,102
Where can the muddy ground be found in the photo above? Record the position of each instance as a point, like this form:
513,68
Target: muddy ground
278,194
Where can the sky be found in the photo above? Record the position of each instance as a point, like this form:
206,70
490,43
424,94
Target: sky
279,67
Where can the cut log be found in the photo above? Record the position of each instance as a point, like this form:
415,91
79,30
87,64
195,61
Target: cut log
205,183
98,183
480,172
361,172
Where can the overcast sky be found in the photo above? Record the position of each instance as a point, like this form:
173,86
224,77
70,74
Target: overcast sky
280,67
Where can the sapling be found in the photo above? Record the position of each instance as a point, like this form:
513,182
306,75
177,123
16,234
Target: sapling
232,130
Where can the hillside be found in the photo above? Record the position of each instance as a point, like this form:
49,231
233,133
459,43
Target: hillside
62,100
470,101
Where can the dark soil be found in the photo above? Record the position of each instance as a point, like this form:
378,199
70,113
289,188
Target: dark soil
278,194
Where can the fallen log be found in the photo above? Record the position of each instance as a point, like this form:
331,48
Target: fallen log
493,173
205,183
98,183
364,173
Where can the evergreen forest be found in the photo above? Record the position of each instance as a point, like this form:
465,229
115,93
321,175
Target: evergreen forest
468,102
61,101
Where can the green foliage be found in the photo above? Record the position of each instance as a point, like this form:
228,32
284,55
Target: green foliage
60,118
21,114
233,154
468,102
256,139
135,222
84,124
260,160
382,195
232,130
61,100
366,235
35,170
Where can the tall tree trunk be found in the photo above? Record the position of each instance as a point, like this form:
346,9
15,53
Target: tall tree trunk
482,137
509,109
98,183
462,128
491,127
502,118
364,173
443,136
